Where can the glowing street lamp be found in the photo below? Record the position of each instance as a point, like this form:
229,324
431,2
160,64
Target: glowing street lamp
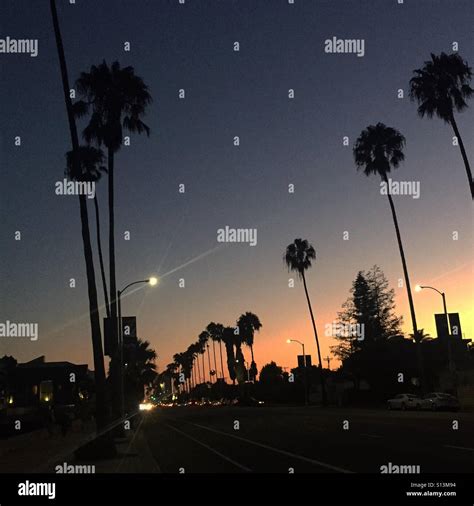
153,281
418,288
289,341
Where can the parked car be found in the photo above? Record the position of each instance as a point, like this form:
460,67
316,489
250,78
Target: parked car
404,401
438,401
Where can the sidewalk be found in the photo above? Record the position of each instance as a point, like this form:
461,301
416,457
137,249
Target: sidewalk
37,452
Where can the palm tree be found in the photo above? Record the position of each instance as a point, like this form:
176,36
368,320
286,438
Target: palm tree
440,88
215,331
196,347
90,169
228,337
298,258
179,361
117,99
377,150
99,368
139,368
248,323
421,336
202,340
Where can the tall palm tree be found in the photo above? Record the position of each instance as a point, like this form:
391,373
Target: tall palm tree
298,258
90,169
248,323
377,150
116,99
99,368
440,88
228,338
202,340
215,331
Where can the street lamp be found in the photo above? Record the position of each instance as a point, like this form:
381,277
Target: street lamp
418,288
289,341
152,282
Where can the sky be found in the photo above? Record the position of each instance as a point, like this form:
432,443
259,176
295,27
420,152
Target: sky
283,141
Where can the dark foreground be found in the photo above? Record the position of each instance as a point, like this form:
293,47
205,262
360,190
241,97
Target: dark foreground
307,440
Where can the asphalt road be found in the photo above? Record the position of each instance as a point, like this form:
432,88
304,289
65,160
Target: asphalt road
307,440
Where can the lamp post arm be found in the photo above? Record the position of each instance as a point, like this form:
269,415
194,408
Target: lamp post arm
134,283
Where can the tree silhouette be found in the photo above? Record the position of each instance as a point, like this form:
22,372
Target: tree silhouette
215,331
202,341
248,323
377,150
116,99
442,87
298,258
371,306
99,368
90,169
228,338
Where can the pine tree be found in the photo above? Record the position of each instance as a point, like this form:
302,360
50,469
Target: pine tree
367,315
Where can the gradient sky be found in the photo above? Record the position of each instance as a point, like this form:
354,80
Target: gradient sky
283,141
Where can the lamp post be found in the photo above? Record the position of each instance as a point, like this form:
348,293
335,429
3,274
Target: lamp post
289,341
418,288
151,281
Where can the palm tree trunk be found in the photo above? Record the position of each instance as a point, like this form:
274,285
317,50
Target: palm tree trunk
253,360
209,360
321,379
407,282
99,369
464,155
222,362
203,367
215,361
198,369
116,366
101,259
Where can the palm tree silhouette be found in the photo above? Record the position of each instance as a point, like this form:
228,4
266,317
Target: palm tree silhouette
202,340
139,367
377,150
196,349
248,323
99,368
228,338
90,169
117,99
440,88
215,331
298,258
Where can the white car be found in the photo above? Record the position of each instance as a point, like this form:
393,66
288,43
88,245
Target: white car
404,401
438,400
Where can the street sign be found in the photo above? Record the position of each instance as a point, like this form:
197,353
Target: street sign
301,361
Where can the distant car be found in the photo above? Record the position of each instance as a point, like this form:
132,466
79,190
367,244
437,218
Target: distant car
437,401
404,401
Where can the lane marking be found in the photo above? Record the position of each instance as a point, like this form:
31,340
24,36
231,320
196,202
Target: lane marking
246,469
460,448
277,450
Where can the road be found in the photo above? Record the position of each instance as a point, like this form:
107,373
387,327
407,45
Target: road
307,440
